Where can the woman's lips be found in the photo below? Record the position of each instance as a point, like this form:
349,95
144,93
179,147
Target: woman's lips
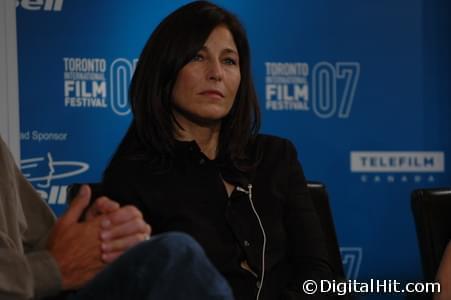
212,93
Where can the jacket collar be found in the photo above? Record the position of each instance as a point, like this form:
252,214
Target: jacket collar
227,169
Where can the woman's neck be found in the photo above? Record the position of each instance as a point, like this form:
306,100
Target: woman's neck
206,136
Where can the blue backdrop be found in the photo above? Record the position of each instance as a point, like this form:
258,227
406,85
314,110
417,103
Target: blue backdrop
361,87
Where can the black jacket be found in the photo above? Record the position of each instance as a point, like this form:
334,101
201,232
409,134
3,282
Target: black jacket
190,197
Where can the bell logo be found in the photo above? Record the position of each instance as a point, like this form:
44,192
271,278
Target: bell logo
47,5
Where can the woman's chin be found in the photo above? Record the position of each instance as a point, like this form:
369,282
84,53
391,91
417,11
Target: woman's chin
207,118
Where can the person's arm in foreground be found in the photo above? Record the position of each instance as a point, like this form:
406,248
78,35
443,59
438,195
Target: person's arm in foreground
36,260
81,249
23,276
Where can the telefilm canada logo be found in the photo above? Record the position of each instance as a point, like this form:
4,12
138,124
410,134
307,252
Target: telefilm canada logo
43,171
87,84
397,166
326,89
41,5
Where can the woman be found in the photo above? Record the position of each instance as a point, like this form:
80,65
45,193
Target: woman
192,160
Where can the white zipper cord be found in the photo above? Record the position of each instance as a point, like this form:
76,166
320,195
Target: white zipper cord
249,193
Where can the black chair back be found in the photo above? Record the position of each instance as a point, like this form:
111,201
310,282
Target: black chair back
72,190
320,199
432,213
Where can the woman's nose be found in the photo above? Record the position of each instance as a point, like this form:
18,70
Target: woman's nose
215,71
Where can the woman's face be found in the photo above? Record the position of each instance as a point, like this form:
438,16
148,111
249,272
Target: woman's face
205,88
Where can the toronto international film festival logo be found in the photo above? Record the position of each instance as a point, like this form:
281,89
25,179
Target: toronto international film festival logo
86,84
351,258
328,89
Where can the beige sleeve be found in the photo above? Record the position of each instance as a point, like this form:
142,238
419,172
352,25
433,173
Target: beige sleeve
27,270
28,276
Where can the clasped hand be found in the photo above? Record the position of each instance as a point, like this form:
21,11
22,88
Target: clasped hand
82,249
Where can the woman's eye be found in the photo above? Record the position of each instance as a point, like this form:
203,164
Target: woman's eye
197,57
230,61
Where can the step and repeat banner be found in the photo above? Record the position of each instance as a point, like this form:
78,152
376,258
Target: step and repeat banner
361,88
